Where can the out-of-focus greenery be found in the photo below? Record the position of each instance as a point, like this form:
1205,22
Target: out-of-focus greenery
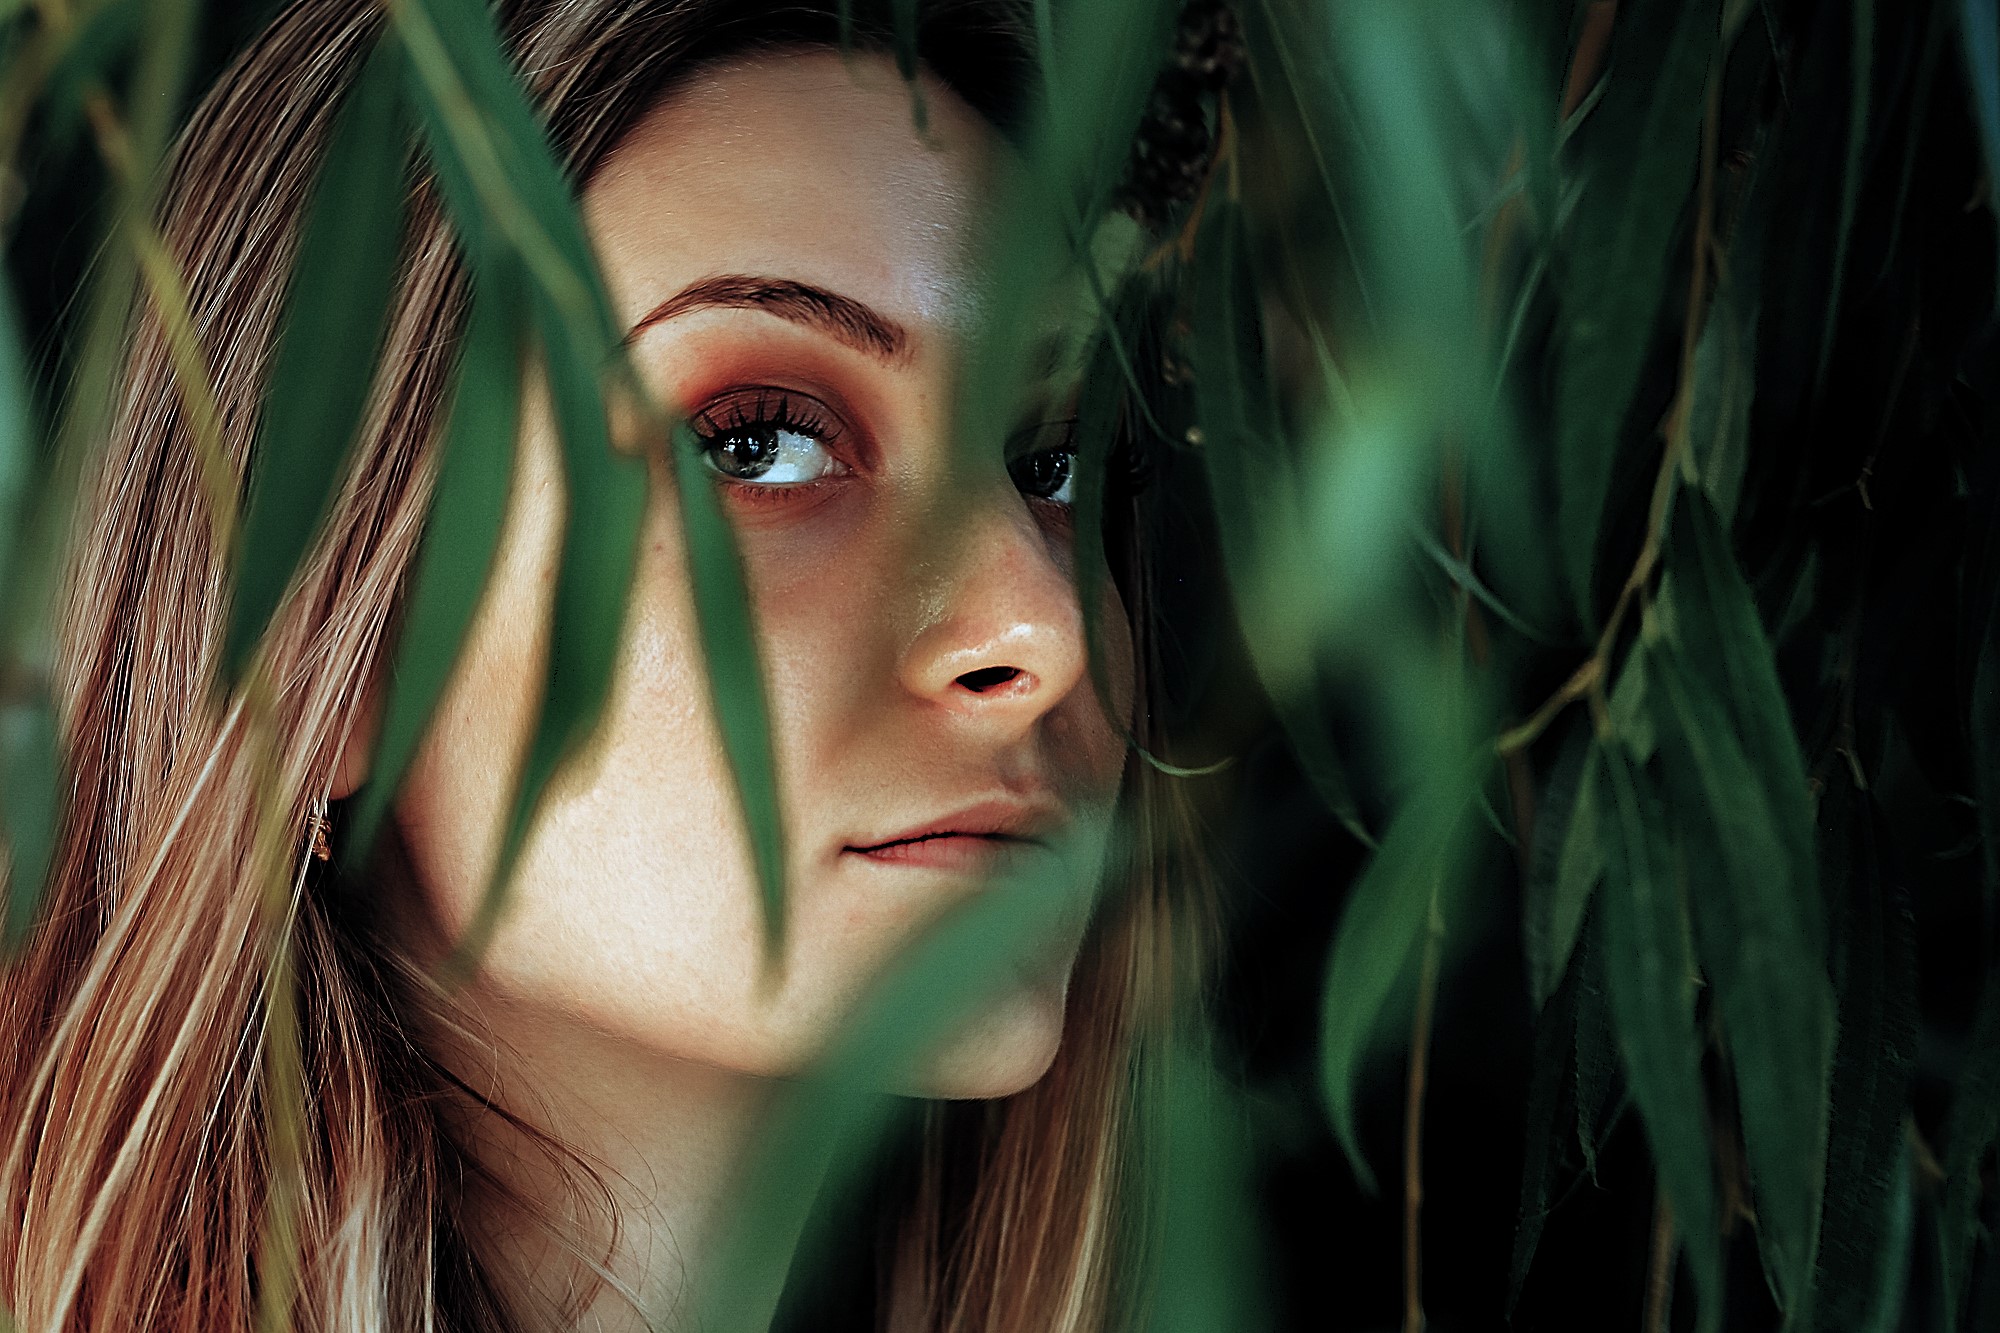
1589,407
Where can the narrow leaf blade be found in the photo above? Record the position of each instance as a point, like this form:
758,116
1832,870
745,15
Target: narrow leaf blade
324,364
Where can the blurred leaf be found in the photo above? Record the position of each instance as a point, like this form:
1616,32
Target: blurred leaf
1971,1130
1861,56
30,786
1255,492
1568,860
468,508
1095,438
20,454
1874,1058
1295,81
827,1124
323,367
1982,719
1980,33
1413,881
87,56
30,770
1615,279
153,98
1757,930
906,61
1542,1154
1923,95
1106,57
1209,1276
1651,969
736,675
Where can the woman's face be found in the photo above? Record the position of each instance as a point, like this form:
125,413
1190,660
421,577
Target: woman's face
794,261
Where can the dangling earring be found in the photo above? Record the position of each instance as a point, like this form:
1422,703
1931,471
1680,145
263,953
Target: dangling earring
317,828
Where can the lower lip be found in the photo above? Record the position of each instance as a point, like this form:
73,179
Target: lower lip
957,851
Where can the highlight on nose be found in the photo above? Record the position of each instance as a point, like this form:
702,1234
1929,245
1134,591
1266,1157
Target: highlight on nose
988,678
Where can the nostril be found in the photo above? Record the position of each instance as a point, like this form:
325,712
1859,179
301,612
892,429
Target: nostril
988,678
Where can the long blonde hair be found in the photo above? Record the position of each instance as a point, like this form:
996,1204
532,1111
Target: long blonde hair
135,1139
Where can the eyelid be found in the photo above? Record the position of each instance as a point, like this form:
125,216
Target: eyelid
1059,433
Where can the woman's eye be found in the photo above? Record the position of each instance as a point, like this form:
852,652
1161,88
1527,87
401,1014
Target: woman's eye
1042,461
769,438
1047,474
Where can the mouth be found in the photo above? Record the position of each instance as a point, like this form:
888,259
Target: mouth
971,839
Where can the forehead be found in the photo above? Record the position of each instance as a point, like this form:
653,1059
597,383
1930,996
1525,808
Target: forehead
804,165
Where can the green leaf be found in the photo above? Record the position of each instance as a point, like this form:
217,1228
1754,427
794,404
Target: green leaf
1725,379
1861,58
1980,32
606,501
1874,1059
1099,401
1255,491
1209,1275
1567,862
819,1137
1720,636
1598,1085
1542,1154
20,455
508,194
1759,938
468,508
88,56
1651,970
323,367
1410,888
736,677
498,173
1098,80
1971,1129
30,790
1648,128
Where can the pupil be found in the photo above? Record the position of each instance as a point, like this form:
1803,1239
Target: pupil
1042,474
747,453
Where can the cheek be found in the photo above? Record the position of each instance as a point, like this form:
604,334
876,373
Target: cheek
634,910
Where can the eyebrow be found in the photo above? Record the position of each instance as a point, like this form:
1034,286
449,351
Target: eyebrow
840,317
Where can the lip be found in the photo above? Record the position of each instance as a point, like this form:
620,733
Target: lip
968,839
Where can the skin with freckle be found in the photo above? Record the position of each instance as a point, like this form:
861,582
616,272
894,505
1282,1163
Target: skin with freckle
922,636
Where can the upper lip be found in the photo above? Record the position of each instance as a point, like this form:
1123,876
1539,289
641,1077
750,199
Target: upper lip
1014,821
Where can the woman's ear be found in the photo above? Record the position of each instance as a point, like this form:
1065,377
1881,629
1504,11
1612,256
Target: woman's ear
359,751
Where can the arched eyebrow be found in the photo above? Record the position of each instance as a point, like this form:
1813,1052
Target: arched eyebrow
840,317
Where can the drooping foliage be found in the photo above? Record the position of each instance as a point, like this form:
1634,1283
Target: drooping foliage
1579,411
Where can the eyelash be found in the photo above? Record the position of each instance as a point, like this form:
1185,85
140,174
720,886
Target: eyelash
752,408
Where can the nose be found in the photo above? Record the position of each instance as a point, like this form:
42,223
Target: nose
1001,640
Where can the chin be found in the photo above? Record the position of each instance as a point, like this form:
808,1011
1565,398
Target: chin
1005,1050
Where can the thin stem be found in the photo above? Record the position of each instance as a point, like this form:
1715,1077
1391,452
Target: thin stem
1413,1127
1588,679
